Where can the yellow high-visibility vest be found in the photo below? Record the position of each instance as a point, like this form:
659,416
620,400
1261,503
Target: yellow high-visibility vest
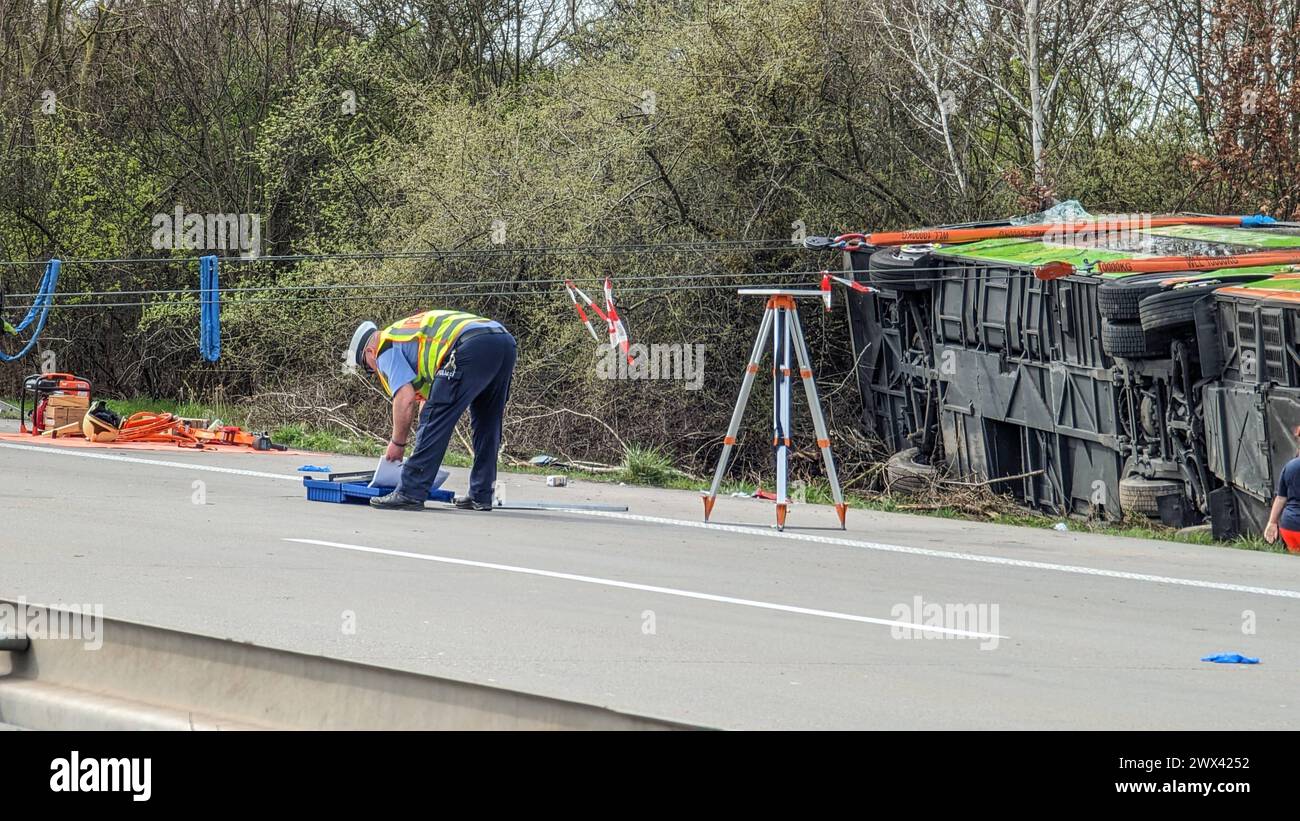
436,331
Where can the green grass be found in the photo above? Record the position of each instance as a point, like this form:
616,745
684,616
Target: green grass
229,414
647,466
303,437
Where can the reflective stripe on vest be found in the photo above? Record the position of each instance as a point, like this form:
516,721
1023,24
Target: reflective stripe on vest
436,332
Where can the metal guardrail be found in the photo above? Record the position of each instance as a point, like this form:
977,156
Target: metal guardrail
14,644
146,677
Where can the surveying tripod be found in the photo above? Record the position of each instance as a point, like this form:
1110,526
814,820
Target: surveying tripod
780,324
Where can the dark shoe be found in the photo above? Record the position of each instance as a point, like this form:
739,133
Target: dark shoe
396,501
466,503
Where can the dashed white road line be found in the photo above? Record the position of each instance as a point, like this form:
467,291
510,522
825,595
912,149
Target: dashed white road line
762,532
650,588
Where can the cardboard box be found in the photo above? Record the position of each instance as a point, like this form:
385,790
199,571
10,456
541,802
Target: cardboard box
64,400
58,417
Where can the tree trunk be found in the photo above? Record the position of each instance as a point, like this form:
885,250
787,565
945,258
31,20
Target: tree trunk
1032,65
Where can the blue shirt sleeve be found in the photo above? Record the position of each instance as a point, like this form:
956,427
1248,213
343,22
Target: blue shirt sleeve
1286,479
1288,485
396,369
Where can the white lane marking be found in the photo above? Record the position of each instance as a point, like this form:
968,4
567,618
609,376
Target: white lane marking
755,530
650,588
112,457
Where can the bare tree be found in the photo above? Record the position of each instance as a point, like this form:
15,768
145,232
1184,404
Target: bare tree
1022,51
921,35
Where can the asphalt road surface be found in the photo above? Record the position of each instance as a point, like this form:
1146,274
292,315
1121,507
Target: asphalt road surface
728,625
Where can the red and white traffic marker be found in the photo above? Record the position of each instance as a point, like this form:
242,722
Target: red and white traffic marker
574,291
857,286
614,327
617,330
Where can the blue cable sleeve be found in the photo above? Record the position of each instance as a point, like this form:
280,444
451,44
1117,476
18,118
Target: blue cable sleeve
39,311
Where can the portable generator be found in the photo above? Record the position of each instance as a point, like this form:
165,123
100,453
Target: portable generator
58,399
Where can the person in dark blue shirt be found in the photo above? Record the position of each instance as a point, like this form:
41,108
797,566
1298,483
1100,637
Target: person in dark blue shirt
1284,518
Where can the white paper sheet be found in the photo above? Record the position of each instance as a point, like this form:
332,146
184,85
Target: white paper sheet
388,474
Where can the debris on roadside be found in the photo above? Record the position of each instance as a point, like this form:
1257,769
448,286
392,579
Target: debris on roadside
546,460
63,408
1194,532
1230,658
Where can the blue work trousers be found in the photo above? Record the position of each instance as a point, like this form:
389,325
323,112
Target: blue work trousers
476,375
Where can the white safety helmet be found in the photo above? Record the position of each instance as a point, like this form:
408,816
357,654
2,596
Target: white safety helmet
355,356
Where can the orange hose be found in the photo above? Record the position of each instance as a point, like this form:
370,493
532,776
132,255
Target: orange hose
951,235
1162,265
147,426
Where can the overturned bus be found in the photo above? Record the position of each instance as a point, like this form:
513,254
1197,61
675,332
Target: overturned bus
1091,367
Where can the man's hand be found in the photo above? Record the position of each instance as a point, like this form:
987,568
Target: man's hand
394,453
1270,532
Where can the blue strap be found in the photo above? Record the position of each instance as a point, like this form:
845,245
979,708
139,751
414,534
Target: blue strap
210,312
1257,221
39,311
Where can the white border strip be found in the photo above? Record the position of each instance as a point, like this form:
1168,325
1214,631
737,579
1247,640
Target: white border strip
757,530
650,588
112,457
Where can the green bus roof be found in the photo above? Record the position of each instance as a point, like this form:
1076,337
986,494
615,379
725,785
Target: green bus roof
1029,252
1250,238
1169,241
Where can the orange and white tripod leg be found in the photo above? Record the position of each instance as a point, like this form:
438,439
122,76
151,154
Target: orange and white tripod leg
819,421
781,362
746,385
